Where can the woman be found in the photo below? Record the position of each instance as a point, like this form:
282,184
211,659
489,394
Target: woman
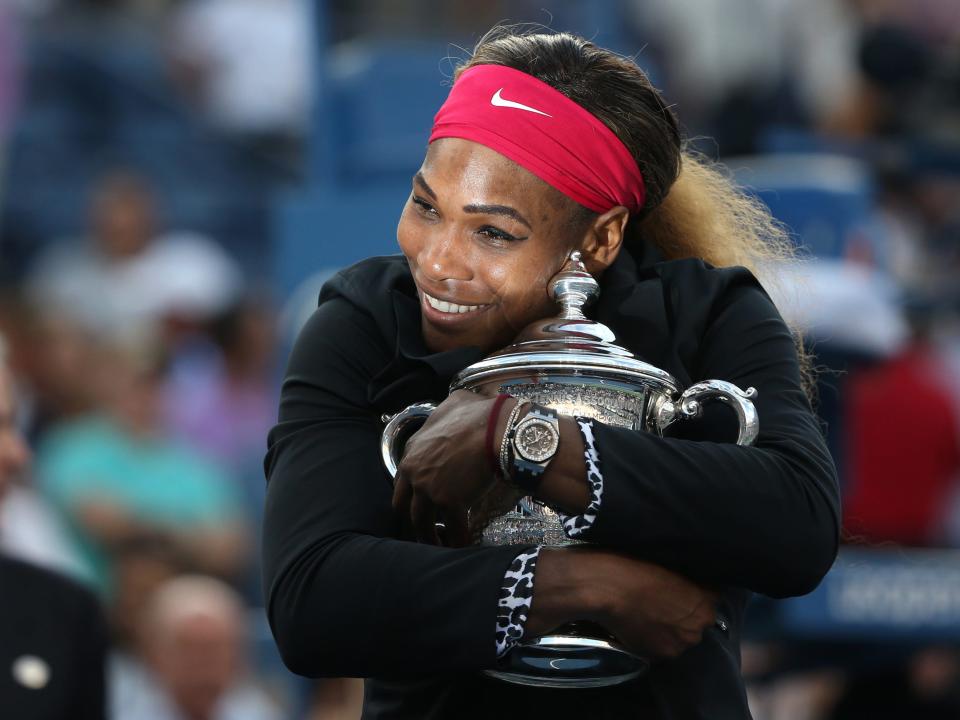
546,145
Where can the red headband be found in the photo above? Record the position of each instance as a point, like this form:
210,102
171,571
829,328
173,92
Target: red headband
544,131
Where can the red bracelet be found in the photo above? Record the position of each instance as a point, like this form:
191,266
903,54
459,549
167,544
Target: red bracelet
492,458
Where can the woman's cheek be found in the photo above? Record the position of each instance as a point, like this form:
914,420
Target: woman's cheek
530,300
545,304
406,234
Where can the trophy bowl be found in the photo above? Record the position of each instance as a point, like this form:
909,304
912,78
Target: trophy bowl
570,364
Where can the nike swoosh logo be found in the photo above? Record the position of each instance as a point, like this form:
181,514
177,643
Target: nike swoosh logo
498,101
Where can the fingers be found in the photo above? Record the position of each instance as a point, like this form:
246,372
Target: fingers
456,532
422,519
402,494
691,632
423,515
418,514
668,638
415,510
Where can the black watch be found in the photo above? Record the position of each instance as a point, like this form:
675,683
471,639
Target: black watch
534,441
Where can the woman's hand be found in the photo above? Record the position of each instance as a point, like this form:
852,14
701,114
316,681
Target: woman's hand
652,611
444,469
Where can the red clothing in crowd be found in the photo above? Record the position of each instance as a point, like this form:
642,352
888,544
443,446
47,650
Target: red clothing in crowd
903,450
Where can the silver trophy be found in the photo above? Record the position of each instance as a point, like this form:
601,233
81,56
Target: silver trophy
570,363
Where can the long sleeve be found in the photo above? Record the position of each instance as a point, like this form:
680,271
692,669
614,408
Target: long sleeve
764,517
344,597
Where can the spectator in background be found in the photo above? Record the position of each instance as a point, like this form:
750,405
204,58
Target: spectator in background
736,66
191,663
128,273
56,359
904,67
903,450
235,383
31,530
223,402
248,65
140,564
935,21
52,635
45,373
119,480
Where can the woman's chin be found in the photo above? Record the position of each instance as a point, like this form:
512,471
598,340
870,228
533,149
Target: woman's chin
440,338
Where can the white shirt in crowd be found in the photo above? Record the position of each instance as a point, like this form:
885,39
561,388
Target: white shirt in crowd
135,695
256,58
181,274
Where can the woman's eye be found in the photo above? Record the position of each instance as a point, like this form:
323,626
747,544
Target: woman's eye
423,206
497,234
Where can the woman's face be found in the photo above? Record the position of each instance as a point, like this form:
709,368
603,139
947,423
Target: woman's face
483,237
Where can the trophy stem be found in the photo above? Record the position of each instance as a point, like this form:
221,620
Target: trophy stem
574,288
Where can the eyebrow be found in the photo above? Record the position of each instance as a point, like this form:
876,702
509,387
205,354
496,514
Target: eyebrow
504,210
418,178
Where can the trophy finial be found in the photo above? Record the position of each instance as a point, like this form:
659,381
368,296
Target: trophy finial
574,288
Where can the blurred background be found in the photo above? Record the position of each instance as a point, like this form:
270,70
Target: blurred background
178,177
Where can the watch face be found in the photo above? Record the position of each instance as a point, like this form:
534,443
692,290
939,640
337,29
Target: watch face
536,440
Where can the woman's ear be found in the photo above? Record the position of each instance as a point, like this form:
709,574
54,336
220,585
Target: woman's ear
604,238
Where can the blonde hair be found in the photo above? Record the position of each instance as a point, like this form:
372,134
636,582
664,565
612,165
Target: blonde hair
706,215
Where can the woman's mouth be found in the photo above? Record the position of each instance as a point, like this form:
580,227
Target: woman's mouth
450,308
447,311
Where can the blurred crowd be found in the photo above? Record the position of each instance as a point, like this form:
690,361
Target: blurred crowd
143,376
142,143
139,336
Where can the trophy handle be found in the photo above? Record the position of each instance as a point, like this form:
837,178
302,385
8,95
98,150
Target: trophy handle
688,406
397,431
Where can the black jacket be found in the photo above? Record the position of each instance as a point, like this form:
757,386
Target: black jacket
345,598
57,627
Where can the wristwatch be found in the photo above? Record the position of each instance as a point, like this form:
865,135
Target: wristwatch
535,441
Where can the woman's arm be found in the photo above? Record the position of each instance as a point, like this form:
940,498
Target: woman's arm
652,611
764,517
343,596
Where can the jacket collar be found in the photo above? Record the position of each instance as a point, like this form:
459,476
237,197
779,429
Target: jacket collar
633,304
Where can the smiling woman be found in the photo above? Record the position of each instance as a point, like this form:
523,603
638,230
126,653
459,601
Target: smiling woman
547,145
470,245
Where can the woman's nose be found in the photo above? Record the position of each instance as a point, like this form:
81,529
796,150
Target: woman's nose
443,257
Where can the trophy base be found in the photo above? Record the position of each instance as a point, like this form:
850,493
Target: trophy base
568,661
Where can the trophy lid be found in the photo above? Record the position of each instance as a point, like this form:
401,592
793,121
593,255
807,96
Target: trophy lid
568,345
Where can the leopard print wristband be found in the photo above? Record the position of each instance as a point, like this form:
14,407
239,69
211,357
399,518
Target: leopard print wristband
576,525
516,597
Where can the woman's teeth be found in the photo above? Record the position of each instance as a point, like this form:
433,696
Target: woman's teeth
449,307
